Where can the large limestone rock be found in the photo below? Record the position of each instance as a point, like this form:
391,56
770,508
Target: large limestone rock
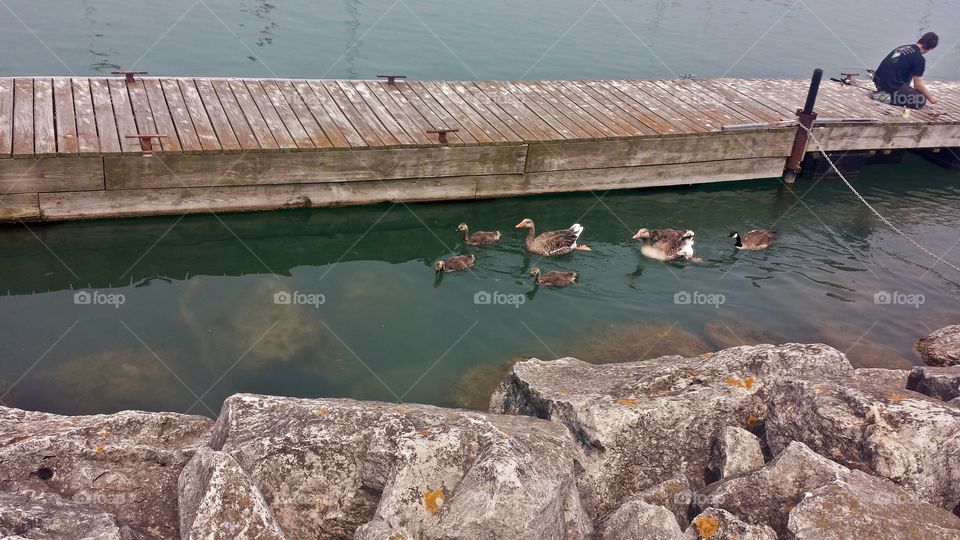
863,506
127,463
332,468
937,382
34,514
636,424
219,501
638,519
894,378
904,436
718,524
736,451
941,348
766,496
673,494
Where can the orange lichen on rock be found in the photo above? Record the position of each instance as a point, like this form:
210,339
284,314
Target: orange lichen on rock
100,449
424,432
628,402
321,411
896,397
433,500
752,421
706,526
746,382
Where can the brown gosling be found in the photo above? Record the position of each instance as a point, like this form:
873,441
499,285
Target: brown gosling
455,264
478,238
553,279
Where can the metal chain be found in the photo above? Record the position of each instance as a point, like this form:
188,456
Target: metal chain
919,246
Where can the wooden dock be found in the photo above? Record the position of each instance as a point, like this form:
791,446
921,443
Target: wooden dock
68,148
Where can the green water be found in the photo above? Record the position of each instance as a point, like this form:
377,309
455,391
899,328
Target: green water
198,320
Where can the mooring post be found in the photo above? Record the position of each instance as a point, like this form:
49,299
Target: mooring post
806,116
442,134
146,142
128,74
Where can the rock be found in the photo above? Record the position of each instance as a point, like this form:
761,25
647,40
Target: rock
894,378
637,424
637,519
862,506
341,468
673,494
941,348
218,500
717,524
904,436
937,382
632,342
34,514
127,463
736,451
766,495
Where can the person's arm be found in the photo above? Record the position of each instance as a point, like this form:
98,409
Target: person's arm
922,88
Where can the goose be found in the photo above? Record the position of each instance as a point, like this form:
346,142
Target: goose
553,279
754,240
667,244
479,238
455,264
552,243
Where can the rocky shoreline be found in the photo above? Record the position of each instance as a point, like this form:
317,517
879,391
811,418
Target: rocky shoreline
752,442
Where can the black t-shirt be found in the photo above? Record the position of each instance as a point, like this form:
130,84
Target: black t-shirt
899,68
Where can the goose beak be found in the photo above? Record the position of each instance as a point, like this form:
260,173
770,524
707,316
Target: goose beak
636,236
519,225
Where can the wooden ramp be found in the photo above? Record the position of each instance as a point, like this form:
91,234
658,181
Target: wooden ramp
68,146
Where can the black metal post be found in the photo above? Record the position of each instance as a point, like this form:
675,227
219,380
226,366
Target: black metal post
806,116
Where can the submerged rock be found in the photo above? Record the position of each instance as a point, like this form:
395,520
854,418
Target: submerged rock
218,500
860,351
632,342
901,435
339,468
942,383
724,333
736,451
636,424
717,524
940,348
863,506
126,464
33,514
472,390
638,519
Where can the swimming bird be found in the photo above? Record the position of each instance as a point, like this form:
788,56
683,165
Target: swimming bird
553,279
754,240
667,244
455,264
479,238
552,243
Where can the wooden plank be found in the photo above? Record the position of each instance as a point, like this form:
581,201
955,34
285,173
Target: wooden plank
341,103
581,127
435,115
287,116
106,121
251,113
886,137
88,143
653,105
363,93
759,112
182,121
23,118
409,119
446,96
632,177
631,108
360,114
511,104
506,124
147,202
582,111
219,91
608,113
337,127
684,112
126,122
659,150
284,140
44,133
307,120
226,136
6,117
709,104
67,144
15,207
545,113
312,167
46,174
142,115
161,116
198,113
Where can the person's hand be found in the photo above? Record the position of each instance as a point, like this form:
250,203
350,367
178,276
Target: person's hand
932,100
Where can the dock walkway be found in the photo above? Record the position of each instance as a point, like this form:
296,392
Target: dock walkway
69,146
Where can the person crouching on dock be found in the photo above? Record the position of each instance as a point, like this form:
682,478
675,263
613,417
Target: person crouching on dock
900,67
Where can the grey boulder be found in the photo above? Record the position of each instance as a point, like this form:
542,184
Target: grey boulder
718,524
735,452
940,348
638,519
35,514
942,383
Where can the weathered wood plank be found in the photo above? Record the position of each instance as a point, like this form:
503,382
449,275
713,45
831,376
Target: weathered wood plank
142,115
444,92
680,110
511,104
145,202
244,131
6,117
409,119
580,113
252,113
44,132
284,140
434,114
885,137
314,130
506,124
612,106
647,102
88,142
106,121
21,207
226,136
126,122
336,125
23,118
50,174
207,136
624,123
186,132
287,116
161,116
758,112
361,115
67,144
361,92
312,167
546,114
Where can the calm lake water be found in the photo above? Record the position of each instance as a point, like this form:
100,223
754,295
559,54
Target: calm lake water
199,318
